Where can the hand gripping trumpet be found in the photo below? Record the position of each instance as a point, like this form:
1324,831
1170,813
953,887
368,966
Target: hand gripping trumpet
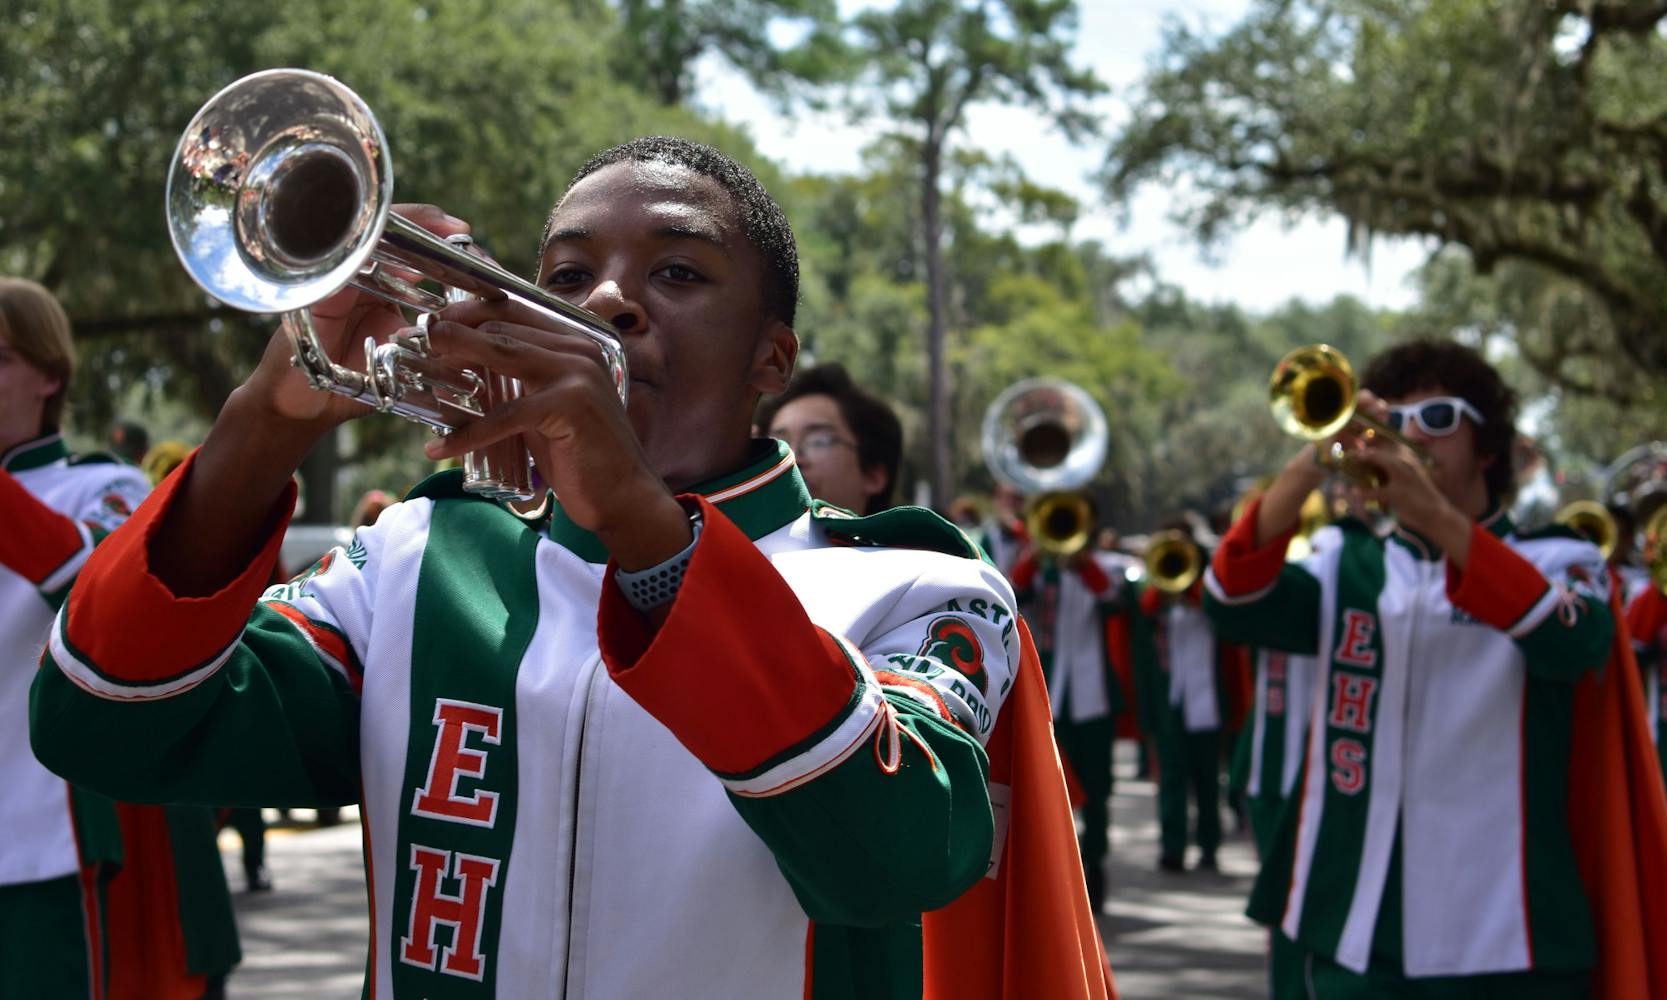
280,195
1313,393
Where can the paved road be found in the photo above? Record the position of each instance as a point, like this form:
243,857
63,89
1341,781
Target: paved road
1169,936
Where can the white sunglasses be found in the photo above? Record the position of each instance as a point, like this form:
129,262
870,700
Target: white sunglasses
1437,417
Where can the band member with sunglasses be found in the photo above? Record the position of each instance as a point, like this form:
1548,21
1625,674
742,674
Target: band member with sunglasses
1428,848
680,734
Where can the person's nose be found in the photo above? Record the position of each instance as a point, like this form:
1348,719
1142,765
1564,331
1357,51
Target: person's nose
610,299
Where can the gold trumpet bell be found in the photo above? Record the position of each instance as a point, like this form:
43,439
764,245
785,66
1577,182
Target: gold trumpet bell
1655,547
1173,562
1593,522
1312,392
1061,523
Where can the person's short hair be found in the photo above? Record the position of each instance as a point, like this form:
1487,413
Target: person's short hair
762,219
130,441
879,433
1432,365
33,322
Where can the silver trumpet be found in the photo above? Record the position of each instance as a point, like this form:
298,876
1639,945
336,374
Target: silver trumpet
279,196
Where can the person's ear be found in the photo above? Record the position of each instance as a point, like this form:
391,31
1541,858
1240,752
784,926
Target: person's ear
873,481
773,358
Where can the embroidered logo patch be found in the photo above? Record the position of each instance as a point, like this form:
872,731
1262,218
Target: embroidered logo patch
951,640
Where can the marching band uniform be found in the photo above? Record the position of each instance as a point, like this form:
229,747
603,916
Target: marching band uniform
760,799
155,930
1067,605
1192,673
1430,836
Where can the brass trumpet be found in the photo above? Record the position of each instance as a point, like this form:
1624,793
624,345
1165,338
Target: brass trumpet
1593,522
1313,395
280,195
1173,561
1655,547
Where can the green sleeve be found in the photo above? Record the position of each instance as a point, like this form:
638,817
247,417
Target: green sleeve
863,847
1284,615
272,726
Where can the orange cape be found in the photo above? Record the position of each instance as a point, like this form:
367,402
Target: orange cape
1026,930
1618,821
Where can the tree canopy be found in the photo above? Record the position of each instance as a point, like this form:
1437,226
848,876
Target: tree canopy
1530,132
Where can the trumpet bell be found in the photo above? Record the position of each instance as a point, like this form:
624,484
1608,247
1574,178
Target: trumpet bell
1591,521
279,191
1061,523
1312,392
1655,548
1044,435
1173,562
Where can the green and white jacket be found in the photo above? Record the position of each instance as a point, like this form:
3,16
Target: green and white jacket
757,800
52,510
1439,743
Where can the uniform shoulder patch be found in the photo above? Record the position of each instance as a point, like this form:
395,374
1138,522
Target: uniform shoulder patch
897,528
95,458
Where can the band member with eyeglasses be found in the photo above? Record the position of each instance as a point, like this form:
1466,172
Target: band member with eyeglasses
683,734
1066,599
848,443
1456,788
97,899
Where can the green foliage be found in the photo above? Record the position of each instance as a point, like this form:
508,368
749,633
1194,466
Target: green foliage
488,110
1593,409
659,41
1523,130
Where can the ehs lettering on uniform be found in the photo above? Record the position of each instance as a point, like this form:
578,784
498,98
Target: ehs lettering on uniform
1351,702
1274,703
463,913
1348,766
453,760
1356,648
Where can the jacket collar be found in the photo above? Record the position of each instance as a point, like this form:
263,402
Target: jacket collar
1496,521
760,498
34,453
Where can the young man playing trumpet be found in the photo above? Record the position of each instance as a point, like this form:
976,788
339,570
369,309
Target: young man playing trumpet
679,736
1429,850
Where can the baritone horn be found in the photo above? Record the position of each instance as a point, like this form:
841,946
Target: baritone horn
1313,395
280,195
1047,438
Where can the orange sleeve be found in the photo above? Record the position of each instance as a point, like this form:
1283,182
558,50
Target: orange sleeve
37,540
126,620
1239,567
712,673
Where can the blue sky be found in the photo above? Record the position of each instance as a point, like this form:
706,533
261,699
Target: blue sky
1263,266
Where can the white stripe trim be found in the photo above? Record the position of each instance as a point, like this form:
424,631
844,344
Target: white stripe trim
763,478
83,676
830,752
326,658
1214,586
1536,614
60,577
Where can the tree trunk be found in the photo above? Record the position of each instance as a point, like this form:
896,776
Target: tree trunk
937,422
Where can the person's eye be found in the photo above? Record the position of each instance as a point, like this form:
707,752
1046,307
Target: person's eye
565,277
681,272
